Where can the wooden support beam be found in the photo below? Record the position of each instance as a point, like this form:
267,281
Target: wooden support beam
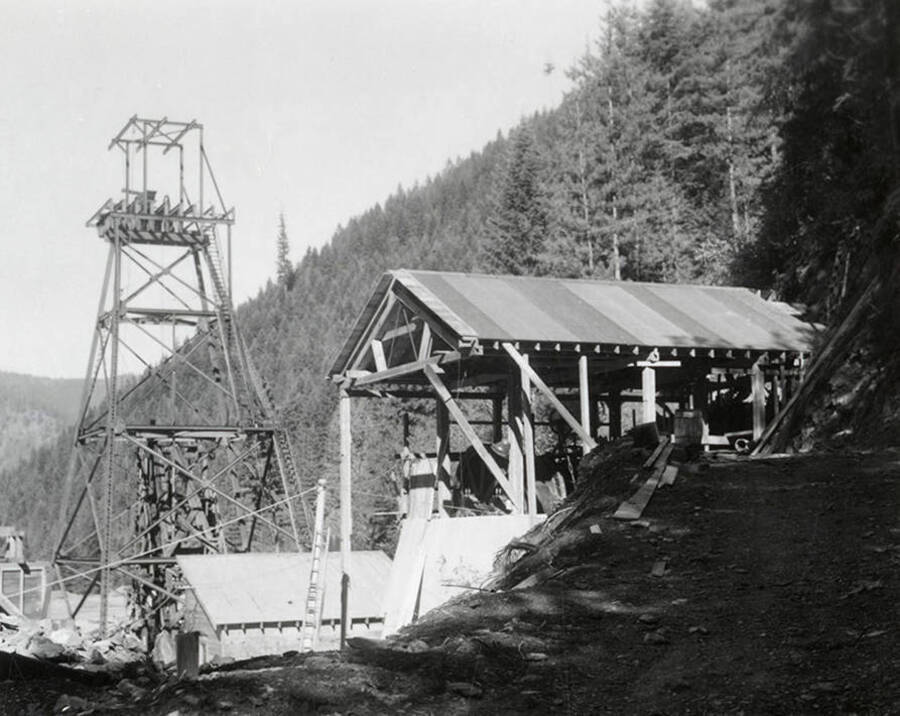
378,355
425,342
497,419
514,434
758,394
614,405
648,394
470,434
406,369
554,401
584,398
346,511
442,448
528,438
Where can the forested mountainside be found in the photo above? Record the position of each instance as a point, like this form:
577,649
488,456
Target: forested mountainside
33,411
751,142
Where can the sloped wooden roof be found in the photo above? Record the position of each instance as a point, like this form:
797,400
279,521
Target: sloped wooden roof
487,309
250,588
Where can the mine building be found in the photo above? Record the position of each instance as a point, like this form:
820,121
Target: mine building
600,357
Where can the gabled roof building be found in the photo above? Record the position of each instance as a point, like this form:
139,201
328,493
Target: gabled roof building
585,347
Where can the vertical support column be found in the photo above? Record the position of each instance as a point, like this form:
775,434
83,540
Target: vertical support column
648,395
496,419
516,470
528,441
699,400
758,394
346,513
405,421
584,399
442,448
112,419
614,405
776,389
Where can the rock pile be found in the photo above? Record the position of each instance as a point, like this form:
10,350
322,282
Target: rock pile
70,643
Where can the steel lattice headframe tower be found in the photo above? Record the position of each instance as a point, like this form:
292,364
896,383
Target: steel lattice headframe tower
188,456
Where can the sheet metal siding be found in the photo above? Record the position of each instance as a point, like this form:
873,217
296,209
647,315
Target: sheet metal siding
262,587
568,310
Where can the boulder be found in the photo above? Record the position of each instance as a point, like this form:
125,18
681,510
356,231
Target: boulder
43,648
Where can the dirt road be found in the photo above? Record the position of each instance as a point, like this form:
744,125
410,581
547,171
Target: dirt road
767,586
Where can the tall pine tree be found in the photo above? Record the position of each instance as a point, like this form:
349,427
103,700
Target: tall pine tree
517,225
284,270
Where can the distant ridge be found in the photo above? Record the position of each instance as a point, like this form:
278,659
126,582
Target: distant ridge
33,411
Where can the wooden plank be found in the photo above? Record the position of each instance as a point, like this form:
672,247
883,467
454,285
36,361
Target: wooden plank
554,401
669,475
378,355
648,463
634,506
402,590
470,434
461,554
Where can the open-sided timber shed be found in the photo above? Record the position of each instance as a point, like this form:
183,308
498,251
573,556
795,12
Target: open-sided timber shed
580,343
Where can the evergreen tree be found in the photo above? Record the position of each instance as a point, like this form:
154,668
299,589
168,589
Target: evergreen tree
833,202
517,226
284,268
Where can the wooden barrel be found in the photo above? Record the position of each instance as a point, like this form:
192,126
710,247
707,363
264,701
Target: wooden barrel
688,427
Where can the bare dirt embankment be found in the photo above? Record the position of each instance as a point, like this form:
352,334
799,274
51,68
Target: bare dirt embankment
777,592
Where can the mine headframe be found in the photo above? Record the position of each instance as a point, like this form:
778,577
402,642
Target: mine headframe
188,455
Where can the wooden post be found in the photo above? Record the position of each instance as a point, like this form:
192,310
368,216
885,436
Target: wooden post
346,513
187,655
497,419
442,448
534,378
614,405
515,435
528,438
584,398
758,393
648,395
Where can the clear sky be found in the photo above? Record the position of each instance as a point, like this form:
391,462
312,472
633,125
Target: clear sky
315,108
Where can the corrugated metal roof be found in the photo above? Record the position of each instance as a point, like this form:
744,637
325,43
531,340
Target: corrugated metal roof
272,587
558,310
582,311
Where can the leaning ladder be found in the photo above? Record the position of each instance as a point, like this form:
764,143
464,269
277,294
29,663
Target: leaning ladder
311,618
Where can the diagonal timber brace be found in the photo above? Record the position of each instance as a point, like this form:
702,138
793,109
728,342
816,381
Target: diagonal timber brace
467,429
564,413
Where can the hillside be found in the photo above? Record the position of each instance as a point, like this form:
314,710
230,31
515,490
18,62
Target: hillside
33,411
746,143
